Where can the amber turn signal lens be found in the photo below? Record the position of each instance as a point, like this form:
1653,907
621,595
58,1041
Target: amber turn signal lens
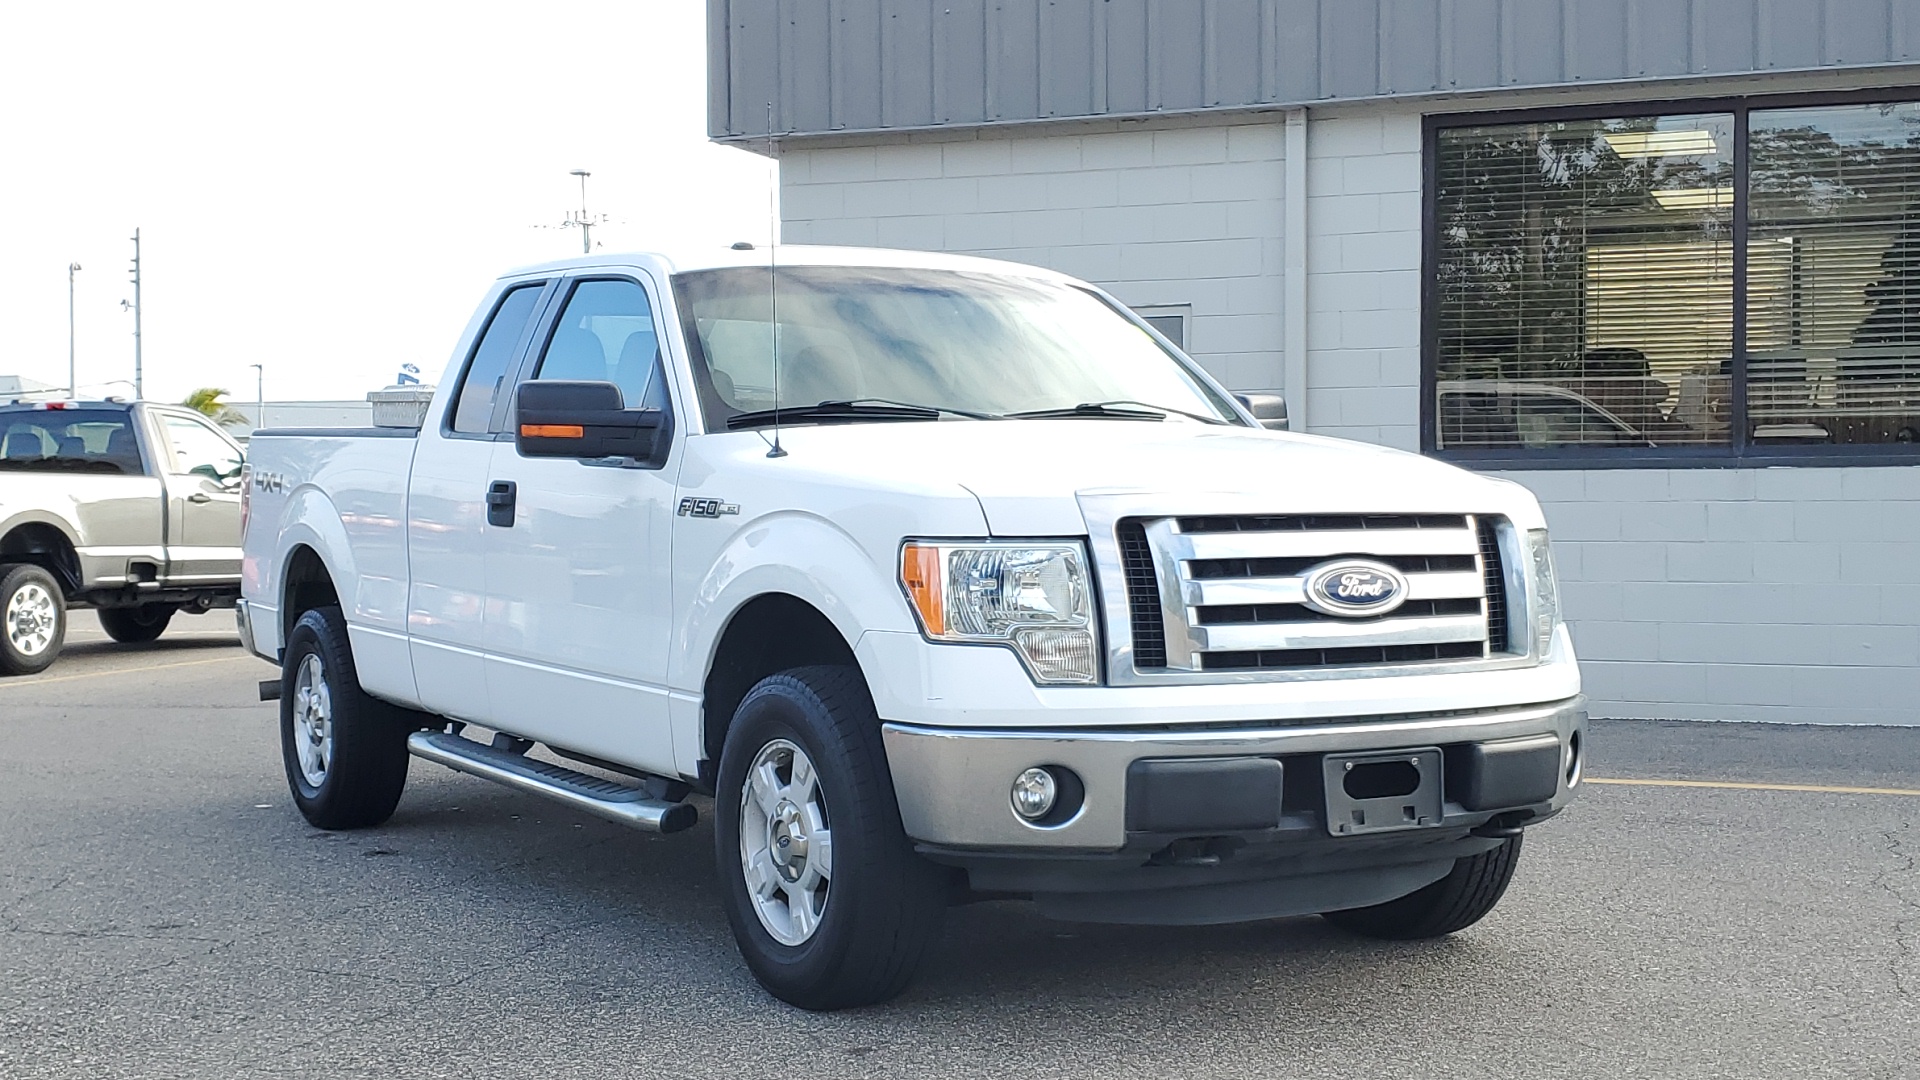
920,572
552,431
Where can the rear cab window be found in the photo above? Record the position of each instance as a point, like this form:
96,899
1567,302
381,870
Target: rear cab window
486,369
69,441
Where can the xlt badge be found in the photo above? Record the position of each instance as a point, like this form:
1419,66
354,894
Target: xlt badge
707,508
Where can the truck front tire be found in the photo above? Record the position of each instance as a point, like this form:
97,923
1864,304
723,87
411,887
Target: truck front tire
1453,903
33,619
136,625
345,751
829,903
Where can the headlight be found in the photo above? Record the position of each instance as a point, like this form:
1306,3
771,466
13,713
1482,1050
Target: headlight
1032,596
1546,592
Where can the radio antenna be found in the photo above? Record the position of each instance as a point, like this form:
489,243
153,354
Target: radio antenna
773,277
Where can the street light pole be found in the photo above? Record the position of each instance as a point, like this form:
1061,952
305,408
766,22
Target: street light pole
139,387
259,396
73,385
583,220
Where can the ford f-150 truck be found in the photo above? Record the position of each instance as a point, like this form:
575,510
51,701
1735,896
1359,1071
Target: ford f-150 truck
946,579
127,507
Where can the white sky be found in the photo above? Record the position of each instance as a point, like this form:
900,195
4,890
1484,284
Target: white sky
327,189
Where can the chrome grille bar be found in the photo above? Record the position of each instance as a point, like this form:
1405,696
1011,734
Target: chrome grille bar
1324,545
1248,637
1443,585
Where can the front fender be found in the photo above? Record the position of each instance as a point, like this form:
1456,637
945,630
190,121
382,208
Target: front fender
797,553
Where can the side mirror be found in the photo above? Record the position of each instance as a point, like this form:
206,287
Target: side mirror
1269,409
583,420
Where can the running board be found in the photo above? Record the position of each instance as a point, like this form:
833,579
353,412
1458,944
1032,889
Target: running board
591,794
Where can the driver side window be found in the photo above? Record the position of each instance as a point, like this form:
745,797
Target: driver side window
606,334
200,450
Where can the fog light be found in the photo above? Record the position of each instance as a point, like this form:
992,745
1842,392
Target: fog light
1034,792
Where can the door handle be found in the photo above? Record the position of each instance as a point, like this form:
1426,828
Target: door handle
199,497
501,496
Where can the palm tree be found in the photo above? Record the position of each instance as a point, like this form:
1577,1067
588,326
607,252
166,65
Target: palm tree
206,401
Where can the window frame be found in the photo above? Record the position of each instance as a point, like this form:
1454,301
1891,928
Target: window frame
496,419
1739,451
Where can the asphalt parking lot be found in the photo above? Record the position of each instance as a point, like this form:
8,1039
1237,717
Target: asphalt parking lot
165,912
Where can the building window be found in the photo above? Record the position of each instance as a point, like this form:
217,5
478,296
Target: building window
1833,274
1736,280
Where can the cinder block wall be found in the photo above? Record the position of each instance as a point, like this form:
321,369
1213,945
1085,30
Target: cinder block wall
1363,278
1185,215
1742,594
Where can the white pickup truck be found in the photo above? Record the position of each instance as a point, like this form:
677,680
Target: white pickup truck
946,579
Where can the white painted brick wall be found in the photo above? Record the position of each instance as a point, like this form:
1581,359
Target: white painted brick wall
1157,217
1363,285
1730,594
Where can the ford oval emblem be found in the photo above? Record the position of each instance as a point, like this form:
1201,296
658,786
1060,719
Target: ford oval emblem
1355,588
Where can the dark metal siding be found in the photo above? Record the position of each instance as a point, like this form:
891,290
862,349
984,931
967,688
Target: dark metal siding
864,65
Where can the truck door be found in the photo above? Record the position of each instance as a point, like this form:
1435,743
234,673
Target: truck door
201,469
447,512
578,604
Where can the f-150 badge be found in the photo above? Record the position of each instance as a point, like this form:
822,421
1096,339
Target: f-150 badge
707,508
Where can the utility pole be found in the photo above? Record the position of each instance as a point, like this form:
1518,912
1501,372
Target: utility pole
139,387
73,384
259,396
583,220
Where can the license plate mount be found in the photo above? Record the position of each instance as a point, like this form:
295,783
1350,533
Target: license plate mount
1383,791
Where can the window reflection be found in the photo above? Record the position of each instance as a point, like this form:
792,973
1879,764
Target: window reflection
1586,282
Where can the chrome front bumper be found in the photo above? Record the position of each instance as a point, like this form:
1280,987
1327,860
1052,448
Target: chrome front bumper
953,785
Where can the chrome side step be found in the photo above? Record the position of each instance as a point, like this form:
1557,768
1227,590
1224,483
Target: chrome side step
591,794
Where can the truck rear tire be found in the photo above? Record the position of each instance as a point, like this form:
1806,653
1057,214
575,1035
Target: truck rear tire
33,619
830,905
136,625
1453,903
345,751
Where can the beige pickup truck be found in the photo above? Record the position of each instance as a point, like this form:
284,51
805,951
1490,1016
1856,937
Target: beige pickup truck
131,508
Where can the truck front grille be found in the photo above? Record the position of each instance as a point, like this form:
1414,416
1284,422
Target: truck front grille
1229,593
1495,573
1143,597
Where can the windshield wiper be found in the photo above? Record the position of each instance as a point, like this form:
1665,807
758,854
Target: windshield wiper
1114,410
829,412
944,409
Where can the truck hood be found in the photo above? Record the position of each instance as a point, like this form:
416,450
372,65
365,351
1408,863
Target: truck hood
1032,476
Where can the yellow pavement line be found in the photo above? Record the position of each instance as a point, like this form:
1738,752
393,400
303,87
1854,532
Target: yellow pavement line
1825,789
120,671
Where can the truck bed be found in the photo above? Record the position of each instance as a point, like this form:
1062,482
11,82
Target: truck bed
351,482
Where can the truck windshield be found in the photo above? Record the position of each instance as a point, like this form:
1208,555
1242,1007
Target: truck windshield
963,343
68,440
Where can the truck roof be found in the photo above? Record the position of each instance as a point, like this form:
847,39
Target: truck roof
714,256
64,403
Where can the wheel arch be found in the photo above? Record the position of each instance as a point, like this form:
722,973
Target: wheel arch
46,544
768,634
305,584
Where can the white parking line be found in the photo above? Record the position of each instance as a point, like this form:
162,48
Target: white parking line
1735,785
10,683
